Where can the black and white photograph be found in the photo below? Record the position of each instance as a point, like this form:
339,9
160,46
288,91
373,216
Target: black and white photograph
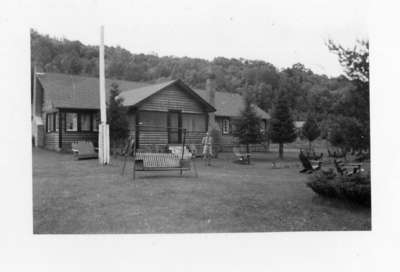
198,118
129,140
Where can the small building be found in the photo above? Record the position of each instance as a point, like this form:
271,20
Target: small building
66,109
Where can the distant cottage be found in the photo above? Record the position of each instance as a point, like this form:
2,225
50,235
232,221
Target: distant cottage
65,109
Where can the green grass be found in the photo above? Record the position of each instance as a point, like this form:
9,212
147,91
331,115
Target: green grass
82,197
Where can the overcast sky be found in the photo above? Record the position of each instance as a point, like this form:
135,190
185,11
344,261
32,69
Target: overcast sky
281,32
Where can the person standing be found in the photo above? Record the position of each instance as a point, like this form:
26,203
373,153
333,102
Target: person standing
207,142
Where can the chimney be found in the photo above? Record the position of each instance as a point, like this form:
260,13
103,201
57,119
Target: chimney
210,87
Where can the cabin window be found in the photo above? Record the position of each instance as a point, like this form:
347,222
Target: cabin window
71,121
225,126
50,120
85,121
194,122
56,121
96,121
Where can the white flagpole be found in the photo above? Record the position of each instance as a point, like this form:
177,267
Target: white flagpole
104,141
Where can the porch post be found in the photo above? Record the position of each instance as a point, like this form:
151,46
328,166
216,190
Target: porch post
60,112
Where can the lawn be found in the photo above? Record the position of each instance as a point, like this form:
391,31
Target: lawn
83,197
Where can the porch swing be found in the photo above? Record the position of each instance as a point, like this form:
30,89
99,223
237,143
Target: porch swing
178,159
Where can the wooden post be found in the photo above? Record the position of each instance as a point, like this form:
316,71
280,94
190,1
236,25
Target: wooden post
134,159
104,137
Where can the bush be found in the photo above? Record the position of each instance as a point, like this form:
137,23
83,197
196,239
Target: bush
356,188
324,183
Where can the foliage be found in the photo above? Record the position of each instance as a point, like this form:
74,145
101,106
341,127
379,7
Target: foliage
248,126
117,117
355,61
310,129
349,133
260,79
355,102
355,188
282,127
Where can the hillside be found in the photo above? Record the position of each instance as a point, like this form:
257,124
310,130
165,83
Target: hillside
259,79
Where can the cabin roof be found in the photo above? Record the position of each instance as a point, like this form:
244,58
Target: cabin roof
82,92
139,95
79,92
230,104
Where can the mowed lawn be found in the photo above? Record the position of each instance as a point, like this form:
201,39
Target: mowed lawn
83,197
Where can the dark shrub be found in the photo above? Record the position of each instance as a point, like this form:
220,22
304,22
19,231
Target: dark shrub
323,183
356,187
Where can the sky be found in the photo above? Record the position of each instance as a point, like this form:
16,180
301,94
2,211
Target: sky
280,32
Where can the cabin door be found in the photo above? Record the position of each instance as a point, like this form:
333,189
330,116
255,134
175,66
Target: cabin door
174,127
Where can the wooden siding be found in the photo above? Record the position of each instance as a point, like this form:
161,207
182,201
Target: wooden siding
153,137
158,135
172,98
51,141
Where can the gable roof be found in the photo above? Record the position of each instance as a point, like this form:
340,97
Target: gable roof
137,96
82,92
230,104
79,92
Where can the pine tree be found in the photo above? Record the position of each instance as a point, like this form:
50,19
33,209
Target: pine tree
117,118
282,127
311,130
248,128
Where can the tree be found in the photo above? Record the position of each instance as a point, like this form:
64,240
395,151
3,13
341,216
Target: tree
116,117
248,126
348,133
355,103
355,61
282,127
310,129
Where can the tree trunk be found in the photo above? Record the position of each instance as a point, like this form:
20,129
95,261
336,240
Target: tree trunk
248,152
309,145
281,150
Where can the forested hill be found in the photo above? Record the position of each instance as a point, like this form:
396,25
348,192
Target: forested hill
260,79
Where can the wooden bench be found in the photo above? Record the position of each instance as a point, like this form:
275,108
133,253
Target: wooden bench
179,159
161,162
241,155
347,169
84,150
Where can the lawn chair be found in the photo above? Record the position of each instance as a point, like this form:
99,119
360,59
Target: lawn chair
313,156
84,150
347,169
241,155
309,166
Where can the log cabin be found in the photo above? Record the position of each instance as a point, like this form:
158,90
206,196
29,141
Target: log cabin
65,109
